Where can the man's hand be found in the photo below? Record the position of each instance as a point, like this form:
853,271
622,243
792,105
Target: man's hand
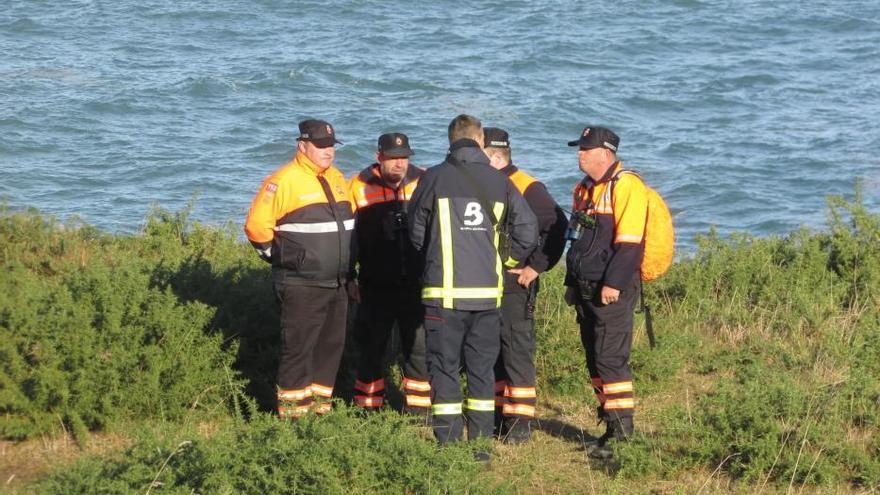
527,275
354,292
609,295
570,296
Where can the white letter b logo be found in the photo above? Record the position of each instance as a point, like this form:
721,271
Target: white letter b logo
473,214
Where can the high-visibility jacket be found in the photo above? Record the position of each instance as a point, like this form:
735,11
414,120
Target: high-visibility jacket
551,225
385,254
611,252
302,220
448,224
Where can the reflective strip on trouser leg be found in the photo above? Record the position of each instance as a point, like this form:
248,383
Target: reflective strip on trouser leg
371,388
416,385
418,401
294,403
446,409
371,395
417,393
481,405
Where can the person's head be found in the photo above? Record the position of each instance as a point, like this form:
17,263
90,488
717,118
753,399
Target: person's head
316,141
597,150
466,127
393,154
496,144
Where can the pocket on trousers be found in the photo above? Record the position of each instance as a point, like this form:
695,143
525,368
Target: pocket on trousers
524,336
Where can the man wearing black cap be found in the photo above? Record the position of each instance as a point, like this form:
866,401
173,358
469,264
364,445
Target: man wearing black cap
388,277
515,395
301,222
607,233
457,217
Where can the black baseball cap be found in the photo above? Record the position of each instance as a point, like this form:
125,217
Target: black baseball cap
318,132
494,137
597,137
394,145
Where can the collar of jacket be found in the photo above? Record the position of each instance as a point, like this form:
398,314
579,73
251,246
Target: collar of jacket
468,151
372,174
509,170
609,173
309,166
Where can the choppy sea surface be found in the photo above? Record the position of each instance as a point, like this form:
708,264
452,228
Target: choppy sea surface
744,115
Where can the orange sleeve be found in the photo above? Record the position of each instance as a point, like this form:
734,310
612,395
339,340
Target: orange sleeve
630,205
266,209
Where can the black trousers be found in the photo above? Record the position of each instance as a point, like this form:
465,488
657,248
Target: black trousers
312,339
451,334
378,311
515,368
606,333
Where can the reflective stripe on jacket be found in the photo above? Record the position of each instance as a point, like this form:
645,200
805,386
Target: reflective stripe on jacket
304,215
447,224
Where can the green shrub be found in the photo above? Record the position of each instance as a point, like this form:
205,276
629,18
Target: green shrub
86,341
342,452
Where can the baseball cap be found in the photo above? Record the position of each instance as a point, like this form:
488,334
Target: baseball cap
495,138
394,145
597,137
318,132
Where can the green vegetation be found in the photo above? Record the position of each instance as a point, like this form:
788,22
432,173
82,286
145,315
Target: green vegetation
766,374
340,453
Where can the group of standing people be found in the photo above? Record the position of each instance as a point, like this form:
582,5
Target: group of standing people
451,256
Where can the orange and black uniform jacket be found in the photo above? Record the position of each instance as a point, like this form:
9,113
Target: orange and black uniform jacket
385,254
304,215
610,253
551,225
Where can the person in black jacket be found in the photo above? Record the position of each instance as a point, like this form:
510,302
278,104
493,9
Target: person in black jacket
458,217
515,395
388,277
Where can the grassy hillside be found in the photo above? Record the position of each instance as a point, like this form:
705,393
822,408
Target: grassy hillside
766,376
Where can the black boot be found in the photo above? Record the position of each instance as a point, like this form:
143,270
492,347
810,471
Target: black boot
517,431
619,430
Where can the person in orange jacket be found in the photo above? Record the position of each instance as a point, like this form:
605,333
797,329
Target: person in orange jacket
603,277
301,222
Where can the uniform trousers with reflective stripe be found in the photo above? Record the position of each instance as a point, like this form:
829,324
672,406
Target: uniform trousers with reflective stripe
380,308
450,335
515,368
606,333
313,323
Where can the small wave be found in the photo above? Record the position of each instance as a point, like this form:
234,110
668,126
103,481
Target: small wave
23,25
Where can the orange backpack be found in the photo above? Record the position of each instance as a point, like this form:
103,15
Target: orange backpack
659,233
